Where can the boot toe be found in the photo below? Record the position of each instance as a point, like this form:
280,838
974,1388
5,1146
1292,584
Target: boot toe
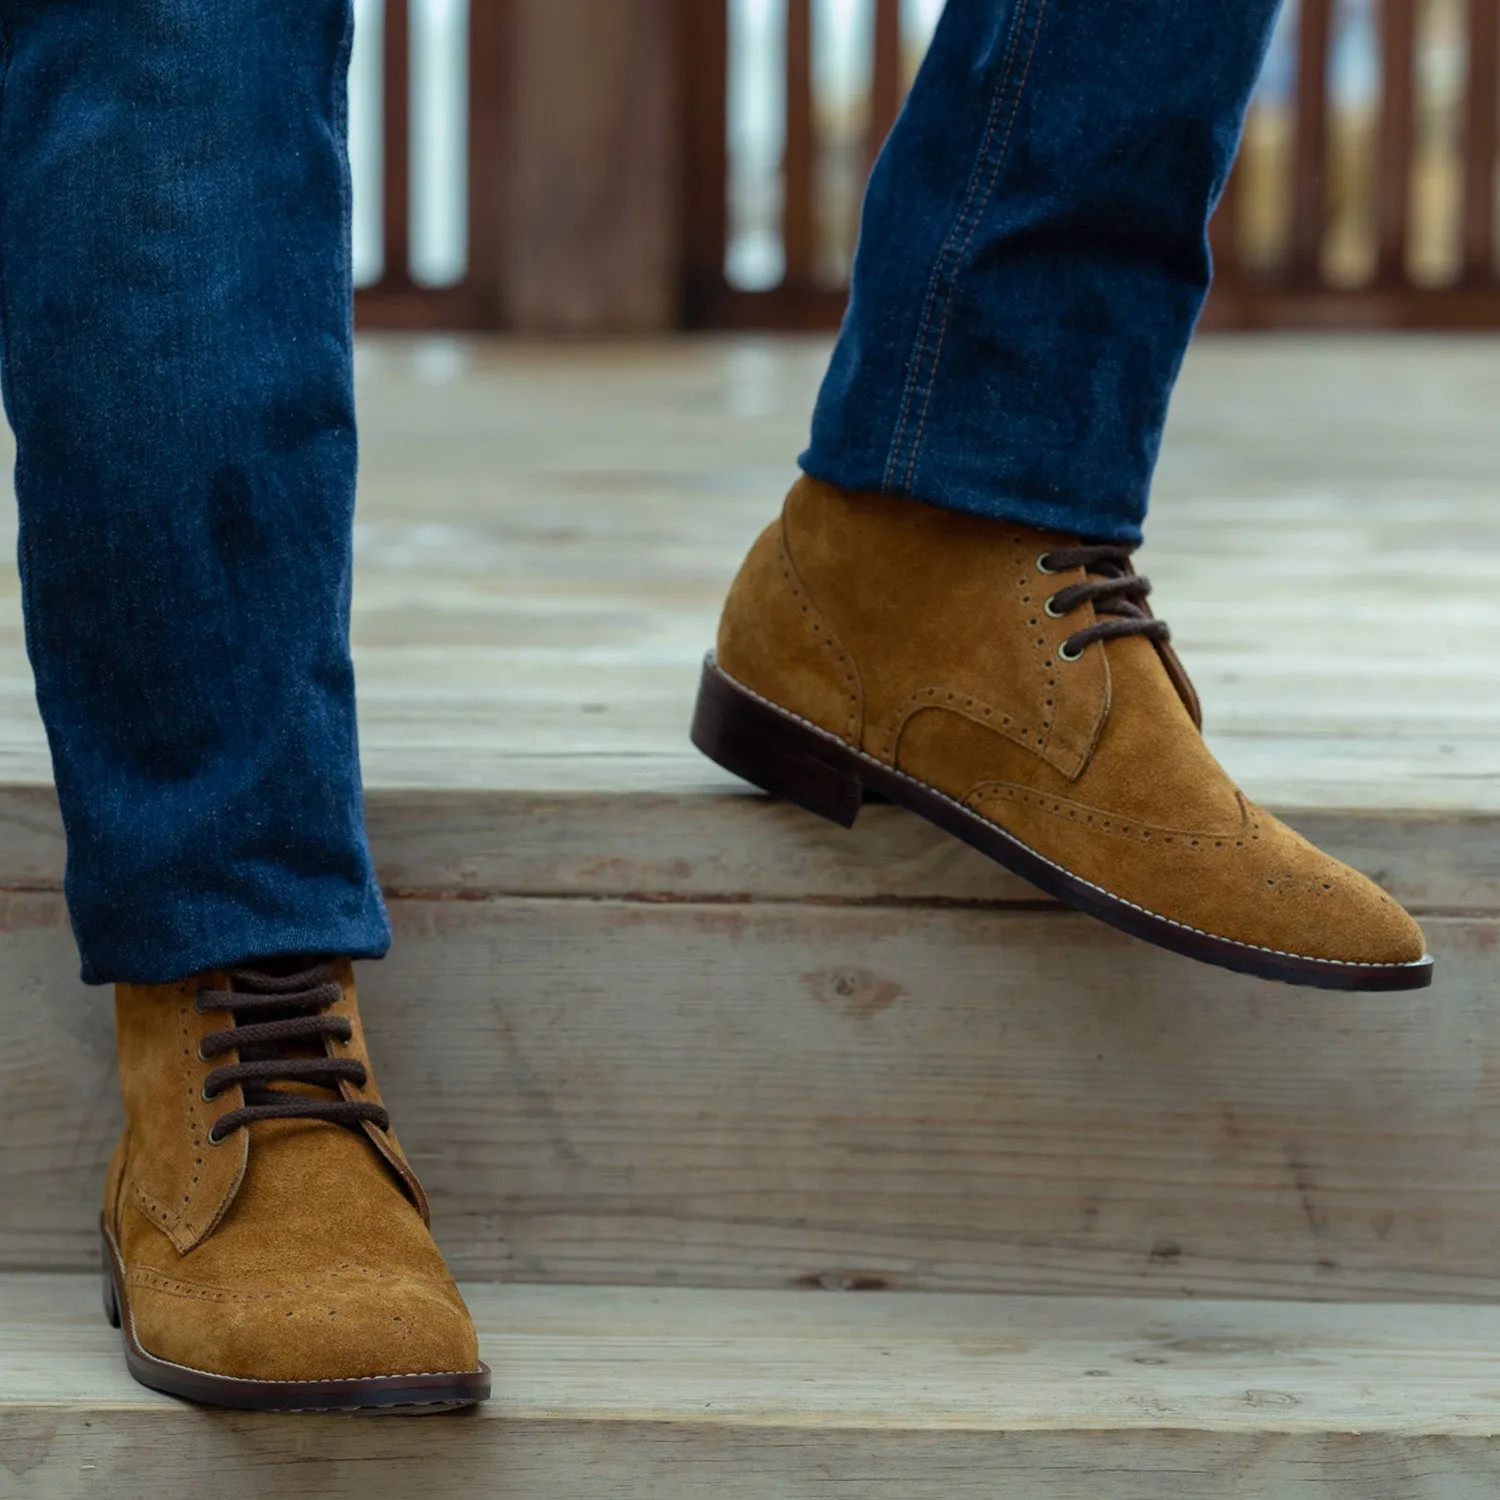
1282,895
1260,887
1354,923
1304,902
347,1325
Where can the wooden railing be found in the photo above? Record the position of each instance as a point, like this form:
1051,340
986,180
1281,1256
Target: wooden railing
396,300
1300,278
573,176
800,300
1304,286
588,208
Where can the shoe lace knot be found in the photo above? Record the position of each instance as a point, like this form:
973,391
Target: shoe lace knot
282,1033
1117,592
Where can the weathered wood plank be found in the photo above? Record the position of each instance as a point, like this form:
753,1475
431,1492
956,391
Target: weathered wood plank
725,842
739,845
474,725
133,1455
592,208
617,1393
545,535
544,538
776,1095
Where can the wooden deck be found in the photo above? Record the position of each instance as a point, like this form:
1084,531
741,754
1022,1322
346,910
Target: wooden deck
692,1065
545,535
692,1038
617,1394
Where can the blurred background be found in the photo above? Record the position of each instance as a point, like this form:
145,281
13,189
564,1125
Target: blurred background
567,165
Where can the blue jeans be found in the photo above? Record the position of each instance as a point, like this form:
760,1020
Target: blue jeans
1034,255
176,313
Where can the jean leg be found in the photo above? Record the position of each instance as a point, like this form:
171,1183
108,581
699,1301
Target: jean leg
176,308
1034,255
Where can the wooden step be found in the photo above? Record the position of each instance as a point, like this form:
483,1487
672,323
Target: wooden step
643,1027
545,536
611,1392
777,1093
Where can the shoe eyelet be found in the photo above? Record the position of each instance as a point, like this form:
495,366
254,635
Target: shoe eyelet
205,1096
203,1057
1042,565
1064,654
214,1138
1050,610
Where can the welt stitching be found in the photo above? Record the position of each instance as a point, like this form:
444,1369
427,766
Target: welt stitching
817,729
999,162
929,306
129,1313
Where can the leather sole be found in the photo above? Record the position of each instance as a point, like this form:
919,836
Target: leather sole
395,1395
803,764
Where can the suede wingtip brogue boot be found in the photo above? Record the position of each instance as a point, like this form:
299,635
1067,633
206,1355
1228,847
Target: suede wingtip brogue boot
1012,687
266,1243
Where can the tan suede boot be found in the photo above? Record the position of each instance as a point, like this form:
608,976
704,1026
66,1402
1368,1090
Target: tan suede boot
266,1243
1010,686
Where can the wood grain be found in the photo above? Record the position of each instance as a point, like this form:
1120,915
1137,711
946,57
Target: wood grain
719,841
665,1047
545,536
617,1393
772,1094
593,216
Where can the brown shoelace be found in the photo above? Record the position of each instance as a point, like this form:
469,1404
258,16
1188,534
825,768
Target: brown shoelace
1116,592
281,1030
